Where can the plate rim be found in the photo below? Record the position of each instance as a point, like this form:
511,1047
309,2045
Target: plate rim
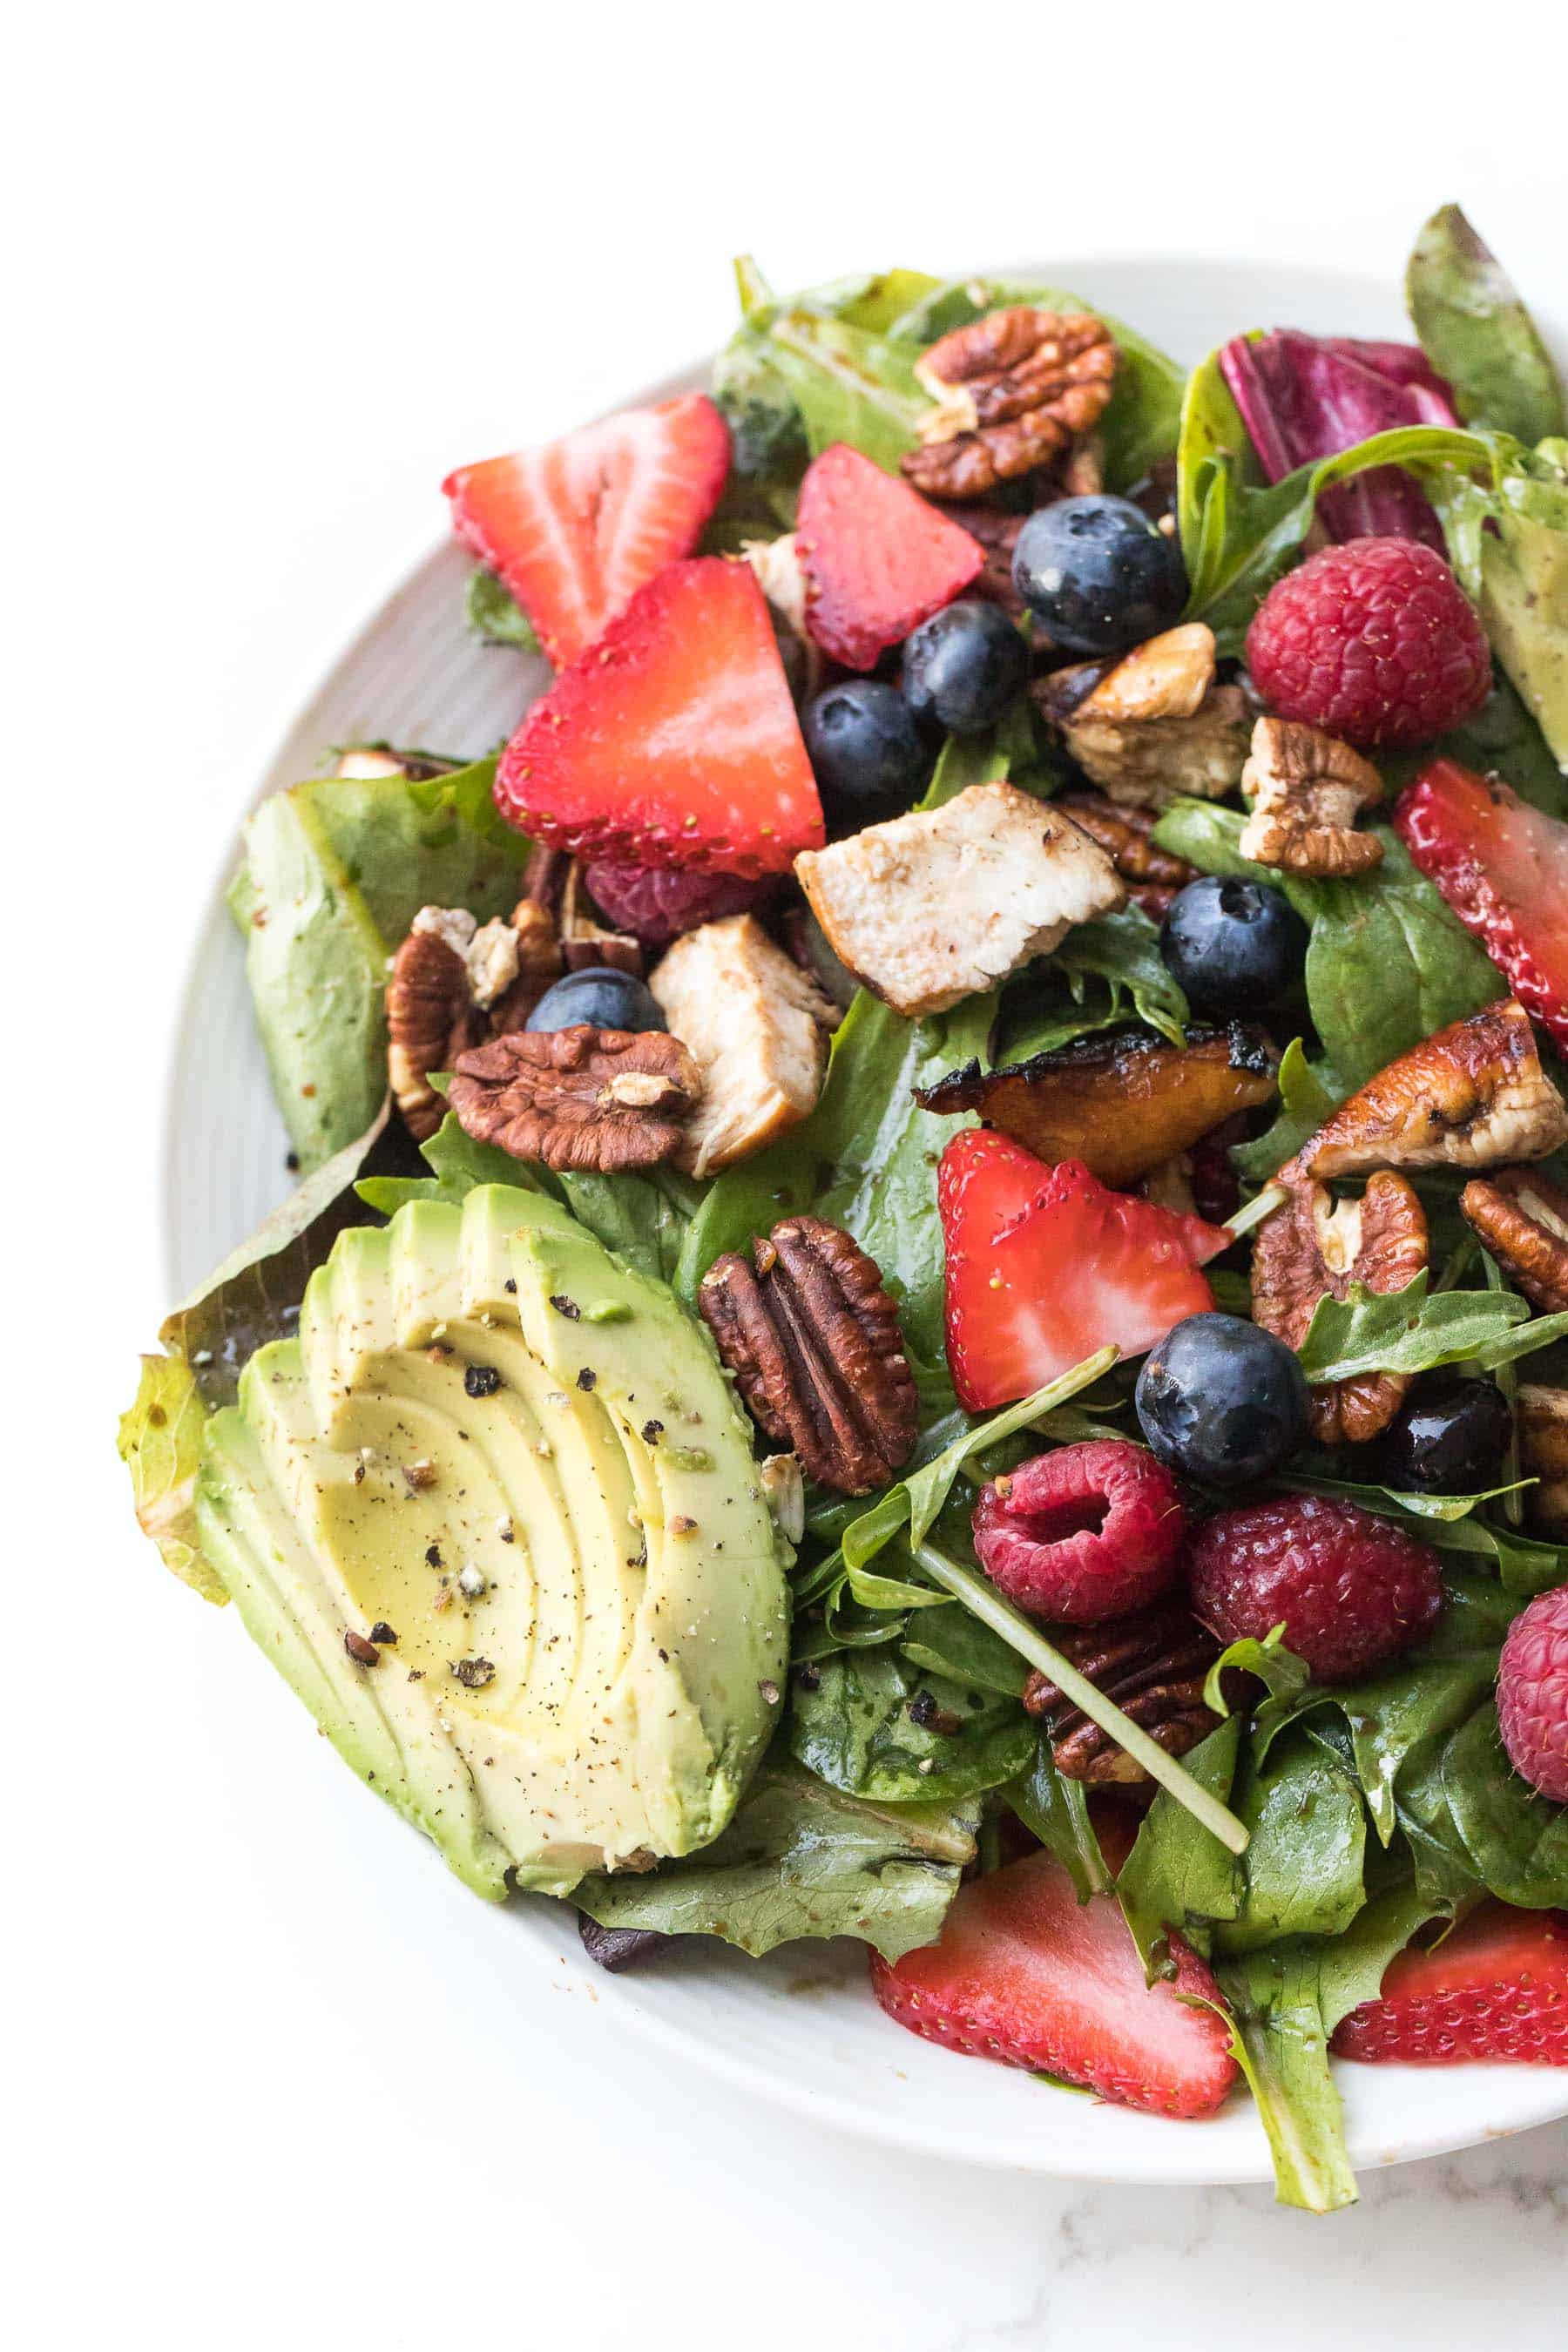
1541,2099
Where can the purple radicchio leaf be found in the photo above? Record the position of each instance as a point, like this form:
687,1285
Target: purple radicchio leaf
1303,397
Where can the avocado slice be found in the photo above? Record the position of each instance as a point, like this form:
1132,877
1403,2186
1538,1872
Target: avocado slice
519,1454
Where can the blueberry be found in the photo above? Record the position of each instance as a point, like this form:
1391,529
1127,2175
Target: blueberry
1448,1437
604,998
1234,946
866,752
1098,575
1222,1400
963,667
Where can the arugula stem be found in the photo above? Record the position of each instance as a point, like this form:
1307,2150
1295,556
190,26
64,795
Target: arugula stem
981,1597
1252,1212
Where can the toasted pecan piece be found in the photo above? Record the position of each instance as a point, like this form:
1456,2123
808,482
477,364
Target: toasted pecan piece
1469,1096
813,1339
1122,1102
1154,724
1154,1666
1126,833
1012,391
1543,1452
1522,1218
578,1097
1314,1247
1306,789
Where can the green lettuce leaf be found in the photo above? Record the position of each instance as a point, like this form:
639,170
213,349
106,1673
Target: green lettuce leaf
335,871
1477,333
253,1296
803,1859
1508,541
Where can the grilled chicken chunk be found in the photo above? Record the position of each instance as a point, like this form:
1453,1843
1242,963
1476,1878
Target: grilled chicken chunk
945,902
755,1024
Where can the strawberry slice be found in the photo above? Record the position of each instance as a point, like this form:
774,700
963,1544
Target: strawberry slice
674,741
1046,1265
1496,1989
878,559
1503,869
1025,1973
577,527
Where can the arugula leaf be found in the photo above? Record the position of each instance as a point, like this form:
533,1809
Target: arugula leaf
253,1296
1477,333
335,871
1281,1672
1450,1523
1123,951
1406,1330
1284,2003
803,1859
494,613
854,1729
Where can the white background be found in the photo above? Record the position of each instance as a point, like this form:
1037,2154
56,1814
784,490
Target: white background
274,270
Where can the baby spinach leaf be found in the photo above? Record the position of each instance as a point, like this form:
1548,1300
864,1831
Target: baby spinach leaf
1406,1330
855,1730
948,1641
494,613
1503,738
1386,965
1178,1876
1056,1810
1477,333
1302,1871
1516,1839
801,1859
1123,951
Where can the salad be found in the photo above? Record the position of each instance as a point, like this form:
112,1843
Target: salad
928,1296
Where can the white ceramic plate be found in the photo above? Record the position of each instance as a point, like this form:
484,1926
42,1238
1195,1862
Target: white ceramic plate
800,2027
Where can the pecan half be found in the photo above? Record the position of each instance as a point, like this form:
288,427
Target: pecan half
1155,724
578,1097
1014,390
1522,1218
1543,1451
813,1339
1312,1248
1469,1096
1127,837
1154,1666
1307,789
431,1016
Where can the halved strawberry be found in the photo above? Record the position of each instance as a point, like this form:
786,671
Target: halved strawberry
878,559
674,741
1046,1265
1502,867
1497,1988
575,527
1025,1974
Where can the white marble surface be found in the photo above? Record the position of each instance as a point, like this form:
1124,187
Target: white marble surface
278,272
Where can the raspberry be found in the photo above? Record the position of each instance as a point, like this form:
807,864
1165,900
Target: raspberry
1351,1589
1089,1532
1532,1694
1376,641
656,904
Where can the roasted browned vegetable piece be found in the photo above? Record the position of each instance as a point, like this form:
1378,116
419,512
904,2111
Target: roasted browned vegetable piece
1120,1103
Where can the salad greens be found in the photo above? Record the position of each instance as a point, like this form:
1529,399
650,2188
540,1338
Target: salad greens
1316,1830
